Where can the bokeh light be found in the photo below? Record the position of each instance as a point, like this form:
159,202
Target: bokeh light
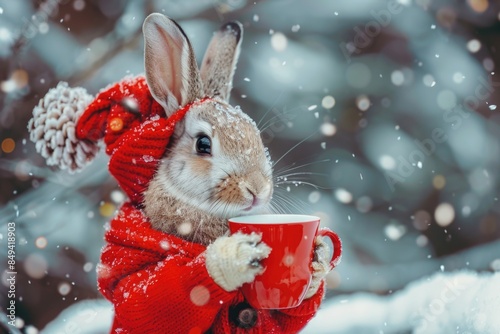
199,295
478,6
41,242
444,214
328,102
279,41
107,209
36,265
8,145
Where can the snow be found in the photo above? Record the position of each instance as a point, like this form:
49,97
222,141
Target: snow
455,302
461,302
85,317
148,158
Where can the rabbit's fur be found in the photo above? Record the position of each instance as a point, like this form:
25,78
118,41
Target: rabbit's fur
193,196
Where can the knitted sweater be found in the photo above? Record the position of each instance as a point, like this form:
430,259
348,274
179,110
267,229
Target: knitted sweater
158,283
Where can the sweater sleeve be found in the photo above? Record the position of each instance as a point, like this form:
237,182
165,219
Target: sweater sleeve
158,283
172,295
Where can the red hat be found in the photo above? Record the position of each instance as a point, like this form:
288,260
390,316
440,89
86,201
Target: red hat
66,128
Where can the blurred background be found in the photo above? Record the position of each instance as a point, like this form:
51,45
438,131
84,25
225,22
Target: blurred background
381,115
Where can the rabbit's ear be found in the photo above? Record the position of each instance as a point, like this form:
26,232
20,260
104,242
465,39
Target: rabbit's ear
219,63
171,71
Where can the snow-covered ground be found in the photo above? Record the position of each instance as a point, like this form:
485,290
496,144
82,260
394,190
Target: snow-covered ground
85,317
462,302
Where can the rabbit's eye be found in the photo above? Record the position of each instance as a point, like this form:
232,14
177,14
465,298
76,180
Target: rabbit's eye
203,145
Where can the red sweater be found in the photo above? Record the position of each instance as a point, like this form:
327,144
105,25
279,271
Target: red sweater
158,283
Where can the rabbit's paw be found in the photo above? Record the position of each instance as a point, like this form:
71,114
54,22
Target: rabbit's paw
234,260
320,265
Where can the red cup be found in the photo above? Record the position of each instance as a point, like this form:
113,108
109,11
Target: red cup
287,270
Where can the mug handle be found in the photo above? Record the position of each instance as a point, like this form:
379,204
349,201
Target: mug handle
337,245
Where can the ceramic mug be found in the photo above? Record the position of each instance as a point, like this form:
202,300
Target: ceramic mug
287,270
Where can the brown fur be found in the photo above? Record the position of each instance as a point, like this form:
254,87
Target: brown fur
167,214
219,61
202,166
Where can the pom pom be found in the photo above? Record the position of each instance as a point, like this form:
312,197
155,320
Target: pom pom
52,128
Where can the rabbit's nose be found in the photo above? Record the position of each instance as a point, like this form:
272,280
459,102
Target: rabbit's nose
257,192
254,199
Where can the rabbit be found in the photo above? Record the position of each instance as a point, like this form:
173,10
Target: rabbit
169,264
216,167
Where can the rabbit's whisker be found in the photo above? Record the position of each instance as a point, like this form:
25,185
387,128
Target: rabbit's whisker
284,176
294,147
289,203
270,109
275,208
270,122
298,183
292,167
